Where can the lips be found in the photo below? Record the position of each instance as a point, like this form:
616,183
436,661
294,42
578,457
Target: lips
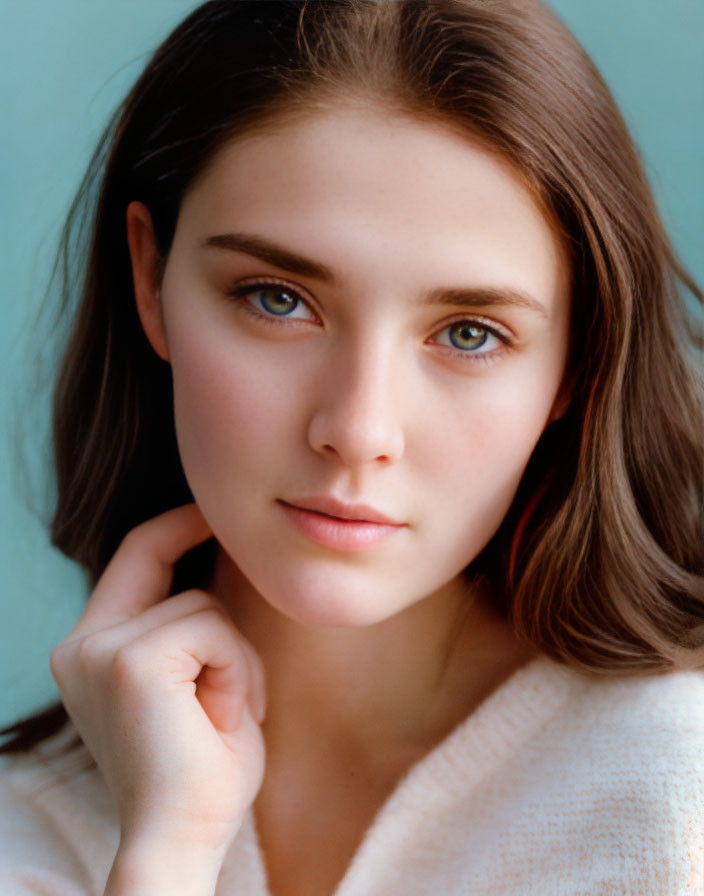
340,527
333,507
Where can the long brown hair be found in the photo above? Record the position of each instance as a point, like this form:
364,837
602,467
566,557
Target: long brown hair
600,560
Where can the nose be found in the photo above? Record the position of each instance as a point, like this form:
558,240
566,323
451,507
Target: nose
358,408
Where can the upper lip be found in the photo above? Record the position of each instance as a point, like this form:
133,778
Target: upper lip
333,507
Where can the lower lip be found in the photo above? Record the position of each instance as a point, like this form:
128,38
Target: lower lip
340,535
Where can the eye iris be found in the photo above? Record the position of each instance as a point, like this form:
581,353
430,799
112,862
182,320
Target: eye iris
468,335
281,303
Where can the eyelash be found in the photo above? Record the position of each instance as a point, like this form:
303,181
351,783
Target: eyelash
243,290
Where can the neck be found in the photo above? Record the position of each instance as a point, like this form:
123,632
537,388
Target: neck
405,681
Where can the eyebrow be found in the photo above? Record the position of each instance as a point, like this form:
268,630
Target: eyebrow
301,266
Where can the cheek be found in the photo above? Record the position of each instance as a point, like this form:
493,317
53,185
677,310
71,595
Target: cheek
491,434
228,417
478,464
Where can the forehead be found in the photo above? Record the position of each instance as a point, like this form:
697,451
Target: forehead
357,185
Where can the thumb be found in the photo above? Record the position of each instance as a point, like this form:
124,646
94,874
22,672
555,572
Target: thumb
222,699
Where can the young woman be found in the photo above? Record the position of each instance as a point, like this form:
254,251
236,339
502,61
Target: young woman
380,435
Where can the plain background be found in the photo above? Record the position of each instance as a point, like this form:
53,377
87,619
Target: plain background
65,66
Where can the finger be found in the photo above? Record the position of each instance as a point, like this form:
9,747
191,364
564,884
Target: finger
223,706
123,629
140,573
257,679
214,685
178,653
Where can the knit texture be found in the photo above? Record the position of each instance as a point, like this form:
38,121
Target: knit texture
558,784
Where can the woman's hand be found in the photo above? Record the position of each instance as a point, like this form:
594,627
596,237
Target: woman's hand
167,696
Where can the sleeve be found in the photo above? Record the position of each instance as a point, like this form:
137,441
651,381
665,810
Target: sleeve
57,837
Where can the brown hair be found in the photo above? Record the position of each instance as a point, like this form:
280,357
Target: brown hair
600,560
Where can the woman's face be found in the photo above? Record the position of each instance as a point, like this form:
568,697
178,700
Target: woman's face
369,309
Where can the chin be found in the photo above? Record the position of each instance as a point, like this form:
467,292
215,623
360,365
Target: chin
316,593
339,611
337,603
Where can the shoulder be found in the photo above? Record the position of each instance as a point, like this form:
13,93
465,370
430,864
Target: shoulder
644,730
58,830
651,713
622,767
647,713
565,783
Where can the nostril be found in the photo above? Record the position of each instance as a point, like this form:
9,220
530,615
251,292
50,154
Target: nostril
355,436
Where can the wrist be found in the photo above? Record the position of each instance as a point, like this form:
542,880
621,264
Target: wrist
155,868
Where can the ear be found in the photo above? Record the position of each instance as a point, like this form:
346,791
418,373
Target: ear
145,258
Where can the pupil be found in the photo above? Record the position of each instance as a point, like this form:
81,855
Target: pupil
281,303
469,336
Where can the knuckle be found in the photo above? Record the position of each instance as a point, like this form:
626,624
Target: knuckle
90,651
196,600
127,663
132,540
58,660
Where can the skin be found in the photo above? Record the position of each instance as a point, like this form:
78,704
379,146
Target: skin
361,393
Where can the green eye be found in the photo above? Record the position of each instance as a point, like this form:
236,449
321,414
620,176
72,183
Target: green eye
472,339
468,335
275,300
272,300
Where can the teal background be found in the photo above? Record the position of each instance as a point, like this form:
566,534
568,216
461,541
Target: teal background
64,67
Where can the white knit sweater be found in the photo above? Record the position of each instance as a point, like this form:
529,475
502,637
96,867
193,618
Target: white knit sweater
557,785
